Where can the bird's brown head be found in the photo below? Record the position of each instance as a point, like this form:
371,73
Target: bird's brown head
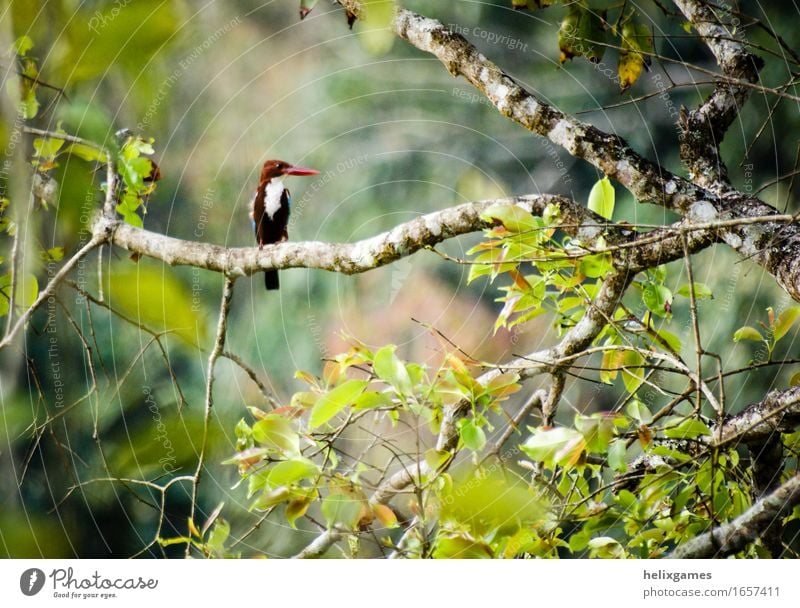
277,168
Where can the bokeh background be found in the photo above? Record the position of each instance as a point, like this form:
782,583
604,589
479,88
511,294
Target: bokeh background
223,86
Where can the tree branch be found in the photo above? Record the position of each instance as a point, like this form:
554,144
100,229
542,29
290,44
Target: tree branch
646,180
704,128
736,535
778,412
775,247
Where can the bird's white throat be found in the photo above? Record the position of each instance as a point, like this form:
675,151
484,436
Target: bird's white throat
273,196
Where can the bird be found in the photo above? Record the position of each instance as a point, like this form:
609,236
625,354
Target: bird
270,208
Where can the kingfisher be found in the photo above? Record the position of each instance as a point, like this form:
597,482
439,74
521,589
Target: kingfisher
270,212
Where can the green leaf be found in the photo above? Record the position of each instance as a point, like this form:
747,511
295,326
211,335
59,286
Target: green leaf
658,299
471,434
436,459
559,445
373,399
47,148
690,428
289,472
341,509
597,431
515,219
25,294
605,547
296,508
503,385
54,254
616,456
390,369
747,333
632,370
785,321
460,546
636,37
219,534
669,339
601,198
276,432
335,400
610,365
271,498
701,291
130,217
22,45
376,36
795,379
639,412
89,153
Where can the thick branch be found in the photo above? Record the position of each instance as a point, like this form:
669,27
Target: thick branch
774,246
778,412
736,535
609,153
657,247
347,258
704,128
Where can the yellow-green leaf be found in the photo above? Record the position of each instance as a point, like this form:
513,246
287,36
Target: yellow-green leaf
389,368
515,219
375,33
278,433
636,38
296,508
690,428
632,370
85,152
335,400
602,198
288,472
747,333
785,321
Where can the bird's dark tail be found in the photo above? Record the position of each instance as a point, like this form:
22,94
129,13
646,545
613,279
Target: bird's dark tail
271,280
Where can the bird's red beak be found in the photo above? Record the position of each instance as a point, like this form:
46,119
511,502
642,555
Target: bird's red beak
294,170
